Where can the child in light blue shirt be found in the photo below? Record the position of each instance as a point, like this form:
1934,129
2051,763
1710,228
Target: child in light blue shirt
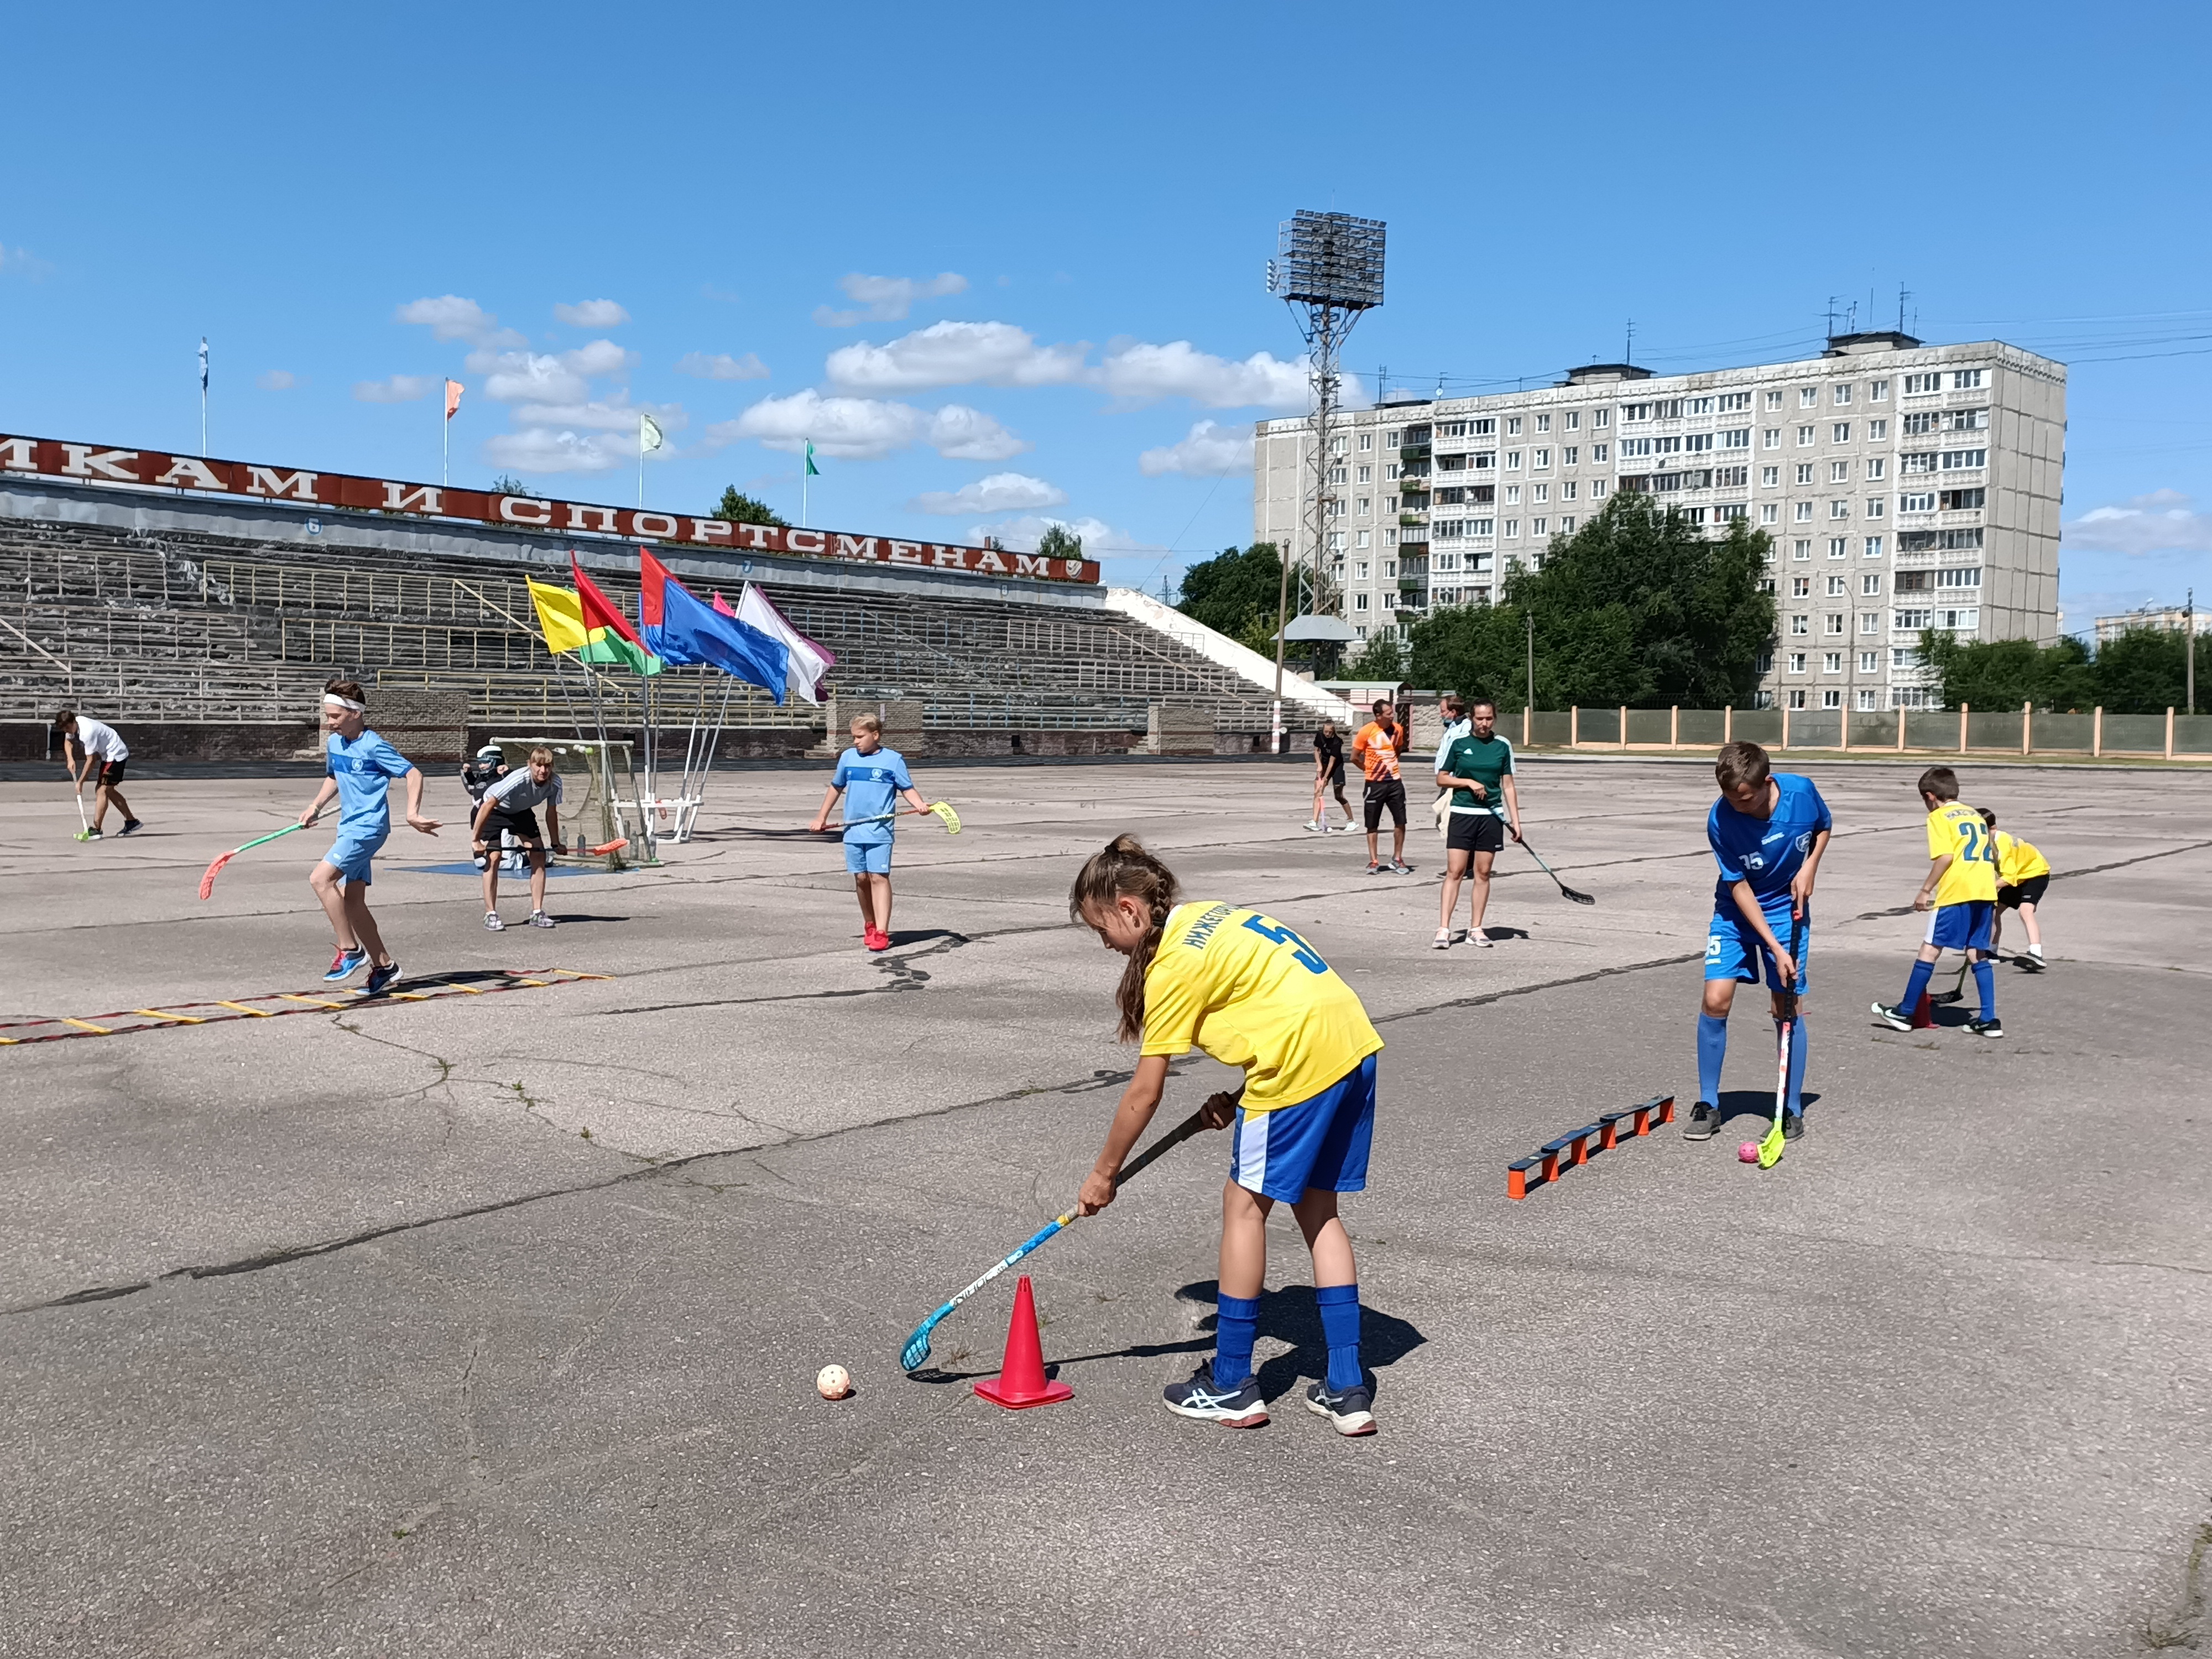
871,778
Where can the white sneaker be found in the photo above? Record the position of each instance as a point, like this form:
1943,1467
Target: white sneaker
1442,940
492,923
1480,938
1312,824
539,919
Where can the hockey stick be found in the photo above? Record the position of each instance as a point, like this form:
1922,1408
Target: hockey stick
207,881
1958,992
1565,891
1770,1148
83,823
946,815
916,1351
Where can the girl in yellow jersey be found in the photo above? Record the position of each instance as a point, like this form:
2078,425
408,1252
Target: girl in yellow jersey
1254,994
2023,877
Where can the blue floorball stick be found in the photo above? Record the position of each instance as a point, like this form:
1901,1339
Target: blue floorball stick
916,1352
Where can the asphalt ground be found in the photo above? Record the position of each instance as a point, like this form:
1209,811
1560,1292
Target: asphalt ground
488,1325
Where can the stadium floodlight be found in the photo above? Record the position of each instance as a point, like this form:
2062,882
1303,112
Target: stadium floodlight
1329,259
1327,268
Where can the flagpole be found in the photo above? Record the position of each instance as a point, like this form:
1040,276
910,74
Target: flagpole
203,383
805,468
445,451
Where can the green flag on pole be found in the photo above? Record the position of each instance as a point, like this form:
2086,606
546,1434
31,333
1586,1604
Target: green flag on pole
812,470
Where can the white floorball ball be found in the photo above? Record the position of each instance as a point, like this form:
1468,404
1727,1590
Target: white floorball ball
833,1382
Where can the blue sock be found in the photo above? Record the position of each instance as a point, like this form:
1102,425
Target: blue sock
1237,1324
1713,1048
1985,981
1916,985
1796,1098
1339,1329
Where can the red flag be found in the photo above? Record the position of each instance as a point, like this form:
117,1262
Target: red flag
652,579
600,611
722,604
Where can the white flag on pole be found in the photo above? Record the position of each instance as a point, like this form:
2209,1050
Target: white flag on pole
809,661
648,434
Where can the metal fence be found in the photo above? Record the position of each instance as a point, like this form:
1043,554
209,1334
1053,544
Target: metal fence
1965,731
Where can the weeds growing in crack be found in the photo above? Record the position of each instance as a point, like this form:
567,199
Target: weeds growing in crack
2186,1628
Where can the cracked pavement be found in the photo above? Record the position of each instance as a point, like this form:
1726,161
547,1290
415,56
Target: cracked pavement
488,1325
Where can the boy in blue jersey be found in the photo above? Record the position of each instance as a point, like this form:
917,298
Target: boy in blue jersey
358,769
1767,833
871,778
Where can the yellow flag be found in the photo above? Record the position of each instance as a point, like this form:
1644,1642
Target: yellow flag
560,617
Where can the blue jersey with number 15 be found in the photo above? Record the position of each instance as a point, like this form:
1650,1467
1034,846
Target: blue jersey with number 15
1766,852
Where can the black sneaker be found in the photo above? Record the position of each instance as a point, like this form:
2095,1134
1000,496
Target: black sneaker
1240,1407
1793,1125
381,980
132,826
1703,1121
1992,1027
1351,1410
1896,1018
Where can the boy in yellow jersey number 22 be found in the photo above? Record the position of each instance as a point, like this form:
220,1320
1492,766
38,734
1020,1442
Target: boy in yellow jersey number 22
1253,995
1960,895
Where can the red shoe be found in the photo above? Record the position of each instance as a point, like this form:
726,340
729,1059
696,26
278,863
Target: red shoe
876,940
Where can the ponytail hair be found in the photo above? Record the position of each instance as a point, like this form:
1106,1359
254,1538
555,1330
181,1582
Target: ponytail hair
1125,869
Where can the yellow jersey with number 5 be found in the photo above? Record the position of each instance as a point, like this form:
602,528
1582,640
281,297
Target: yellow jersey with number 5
1252,993
1956,829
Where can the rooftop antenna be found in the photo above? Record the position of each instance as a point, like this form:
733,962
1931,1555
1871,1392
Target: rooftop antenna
1382,375
1628,351
1902,296
1328,268
1832,317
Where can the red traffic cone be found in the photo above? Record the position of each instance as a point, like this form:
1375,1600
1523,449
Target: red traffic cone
1923,1017
1021,1381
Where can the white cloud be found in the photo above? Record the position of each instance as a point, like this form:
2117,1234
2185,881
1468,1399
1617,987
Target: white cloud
449,317
277,379
866,429
956,354
541,449
1002,492
887,299
1003,354
961,434
1100,540
722,366
592,314
1140,372
399,389
2160,522
548,378
1209,452
21,262
615,414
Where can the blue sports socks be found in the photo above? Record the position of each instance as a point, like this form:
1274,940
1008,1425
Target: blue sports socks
1916,985
1713,1048
1339,1329
1985,981
1797,1046
1237,1324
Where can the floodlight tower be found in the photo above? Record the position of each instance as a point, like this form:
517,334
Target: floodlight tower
1328,268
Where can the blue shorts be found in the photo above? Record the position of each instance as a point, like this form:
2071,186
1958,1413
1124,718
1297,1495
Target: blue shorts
872,858
349,855
1321,1142
1961,926
1734,952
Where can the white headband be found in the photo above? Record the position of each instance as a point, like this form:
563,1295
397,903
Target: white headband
331,700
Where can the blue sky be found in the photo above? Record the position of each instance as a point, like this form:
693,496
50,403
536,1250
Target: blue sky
1004,262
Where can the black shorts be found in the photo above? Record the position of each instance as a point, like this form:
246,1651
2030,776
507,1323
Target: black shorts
1381,793
111,772
2029,893
524,824
1475,832
1332,776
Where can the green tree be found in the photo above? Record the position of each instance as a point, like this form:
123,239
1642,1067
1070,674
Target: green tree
1383,658
508,484
1058,541
1235,593
2005,673
2142,671
1639,606
738,508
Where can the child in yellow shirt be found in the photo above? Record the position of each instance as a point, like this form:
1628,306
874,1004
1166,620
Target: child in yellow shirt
1253,995
2023,875
1960,895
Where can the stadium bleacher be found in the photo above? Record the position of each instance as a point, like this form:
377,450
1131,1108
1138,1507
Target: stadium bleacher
181,627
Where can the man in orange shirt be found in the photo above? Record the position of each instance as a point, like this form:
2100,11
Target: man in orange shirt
1376,749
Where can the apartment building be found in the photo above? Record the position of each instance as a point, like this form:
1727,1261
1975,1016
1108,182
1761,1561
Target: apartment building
2167,619
1905,486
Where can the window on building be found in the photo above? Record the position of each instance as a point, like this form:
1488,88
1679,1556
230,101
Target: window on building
1366,441
1734,403
1571,421
1876,505
1809,396
1336,541
1363,505
1875,467
1904,656
1543,423
1804,473
1360,601
1833,623
1840,396
1512,530
1697,443
1567,523
1774,400
1770,512
1801,625
1959,578
1878,392
1737,437
1598,453
1696,405
1837,585
1839,509
1336,445
1831,696
1541,493
1839,547
1539,460
1393,471
1512,460
1772,438
1839,471
1801,549
1801,588
1569,455
1966,380
1871,583
1600,419
1918,385
1925,421
1597,489
1339,475
1535,526
1916,502
1840,433
1913,465
1869,622
1361,539
1908,621
1513,426
1800,512
1965,460
1390,568
1804,437
1513,494
1877,431
1481,527
1770,478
